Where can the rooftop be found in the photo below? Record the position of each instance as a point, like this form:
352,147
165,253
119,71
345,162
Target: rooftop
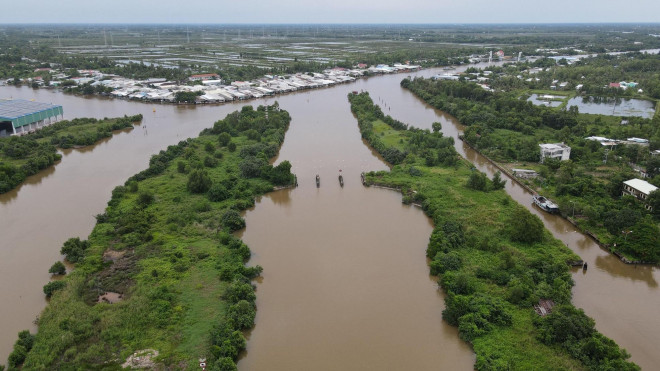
641,185
553,146
22,112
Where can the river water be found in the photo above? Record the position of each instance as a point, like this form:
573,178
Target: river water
345,283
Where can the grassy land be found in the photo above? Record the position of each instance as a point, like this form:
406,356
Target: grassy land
164,243
493,258
26,155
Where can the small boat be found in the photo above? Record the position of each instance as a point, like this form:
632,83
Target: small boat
341,180
545,204
364,181
318,181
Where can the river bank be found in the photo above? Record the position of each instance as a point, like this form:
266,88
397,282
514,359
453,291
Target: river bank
466,247
163,247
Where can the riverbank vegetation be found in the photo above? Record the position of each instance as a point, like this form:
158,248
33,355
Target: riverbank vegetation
493,258
161,269
589,186
22,156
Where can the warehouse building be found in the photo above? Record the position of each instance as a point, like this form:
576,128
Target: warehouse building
18,117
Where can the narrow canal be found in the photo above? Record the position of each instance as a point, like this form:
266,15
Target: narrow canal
345,282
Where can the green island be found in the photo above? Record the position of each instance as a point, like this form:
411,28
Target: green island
493,258
588,188
22,156
161,278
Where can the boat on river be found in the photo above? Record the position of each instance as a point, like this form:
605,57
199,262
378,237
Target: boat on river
341,179
318,181
545,204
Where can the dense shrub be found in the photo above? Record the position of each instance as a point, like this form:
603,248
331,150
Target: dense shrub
57,268
74,249
232,220
51,287
199,181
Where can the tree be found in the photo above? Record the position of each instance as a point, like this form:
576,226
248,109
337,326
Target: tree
185,96
477,181
57,268
224,139
498,183
644,240
199,181
525,227
654,201
653,166
436,127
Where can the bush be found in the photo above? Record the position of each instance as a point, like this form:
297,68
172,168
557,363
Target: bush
57,268
210,161
145,198
232,220
477,181
224,139
51,287
181,167
525,227
497,182
21,347
199,181
218,193
242,313
231,146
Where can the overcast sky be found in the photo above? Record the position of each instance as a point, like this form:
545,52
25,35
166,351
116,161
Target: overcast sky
329,11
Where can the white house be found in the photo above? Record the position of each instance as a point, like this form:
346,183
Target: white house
638,188
555,150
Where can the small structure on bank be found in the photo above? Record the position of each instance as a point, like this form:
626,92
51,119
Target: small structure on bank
559,151
544,307
19,116
524,173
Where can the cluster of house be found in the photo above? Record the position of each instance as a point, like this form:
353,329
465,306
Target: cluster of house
637,188
623,85
209,88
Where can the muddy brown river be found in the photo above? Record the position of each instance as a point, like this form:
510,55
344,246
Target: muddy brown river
345,283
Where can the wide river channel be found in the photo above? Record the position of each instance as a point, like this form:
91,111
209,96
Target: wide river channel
345,282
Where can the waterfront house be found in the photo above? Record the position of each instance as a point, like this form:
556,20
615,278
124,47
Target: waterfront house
559,151
640,189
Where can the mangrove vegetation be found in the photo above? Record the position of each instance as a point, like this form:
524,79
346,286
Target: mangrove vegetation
161,277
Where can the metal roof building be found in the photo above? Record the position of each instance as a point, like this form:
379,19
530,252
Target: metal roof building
21,116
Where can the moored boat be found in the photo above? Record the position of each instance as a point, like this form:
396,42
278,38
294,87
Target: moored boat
545,204
318,181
